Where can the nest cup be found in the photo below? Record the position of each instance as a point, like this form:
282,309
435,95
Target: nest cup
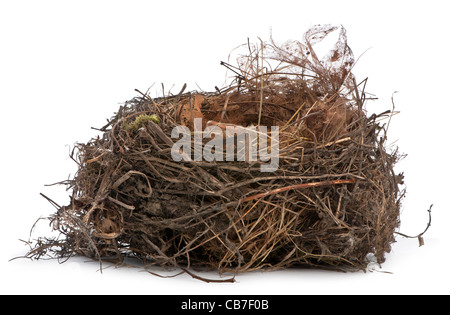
333,200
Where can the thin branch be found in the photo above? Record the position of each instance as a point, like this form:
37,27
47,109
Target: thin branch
420,236
301,186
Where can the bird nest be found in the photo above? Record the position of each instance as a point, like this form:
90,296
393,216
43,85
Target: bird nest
331,200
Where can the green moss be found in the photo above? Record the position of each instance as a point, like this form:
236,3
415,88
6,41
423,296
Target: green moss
140,121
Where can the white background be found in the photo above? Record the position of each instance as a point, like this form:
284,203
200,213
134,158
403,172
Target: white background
65,66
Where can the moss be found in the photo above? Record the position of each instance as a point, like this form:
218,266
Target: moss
140,121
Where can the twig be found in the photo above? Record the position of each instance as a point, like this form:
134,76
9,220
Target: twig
225,106
230,280
144,95
181,92
419,236
262,85
300,186
54,204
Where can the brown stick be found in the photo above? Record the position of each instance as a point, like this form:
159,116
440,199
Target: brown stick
232,280
419,237
300,186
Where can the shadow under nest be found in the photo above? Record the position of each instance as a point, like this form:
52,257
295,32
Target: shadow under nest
333,201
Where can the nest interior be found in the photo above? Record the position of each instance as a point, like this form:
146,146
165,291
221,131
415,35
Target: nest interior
333,202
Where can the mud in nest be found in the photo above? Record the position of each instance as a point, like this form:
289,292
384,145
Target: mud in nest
332,202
